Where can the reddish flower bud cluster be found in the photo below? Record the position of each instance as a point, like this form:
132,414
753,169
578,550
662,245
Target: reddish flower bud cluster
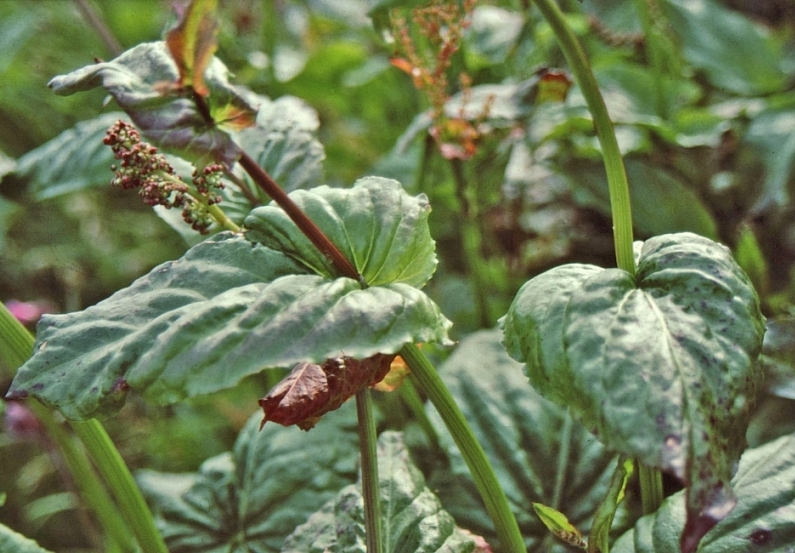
141,167
442,24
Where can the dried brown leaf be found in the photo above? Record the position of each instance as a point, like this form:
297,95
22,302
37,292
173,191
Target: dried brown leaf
311,390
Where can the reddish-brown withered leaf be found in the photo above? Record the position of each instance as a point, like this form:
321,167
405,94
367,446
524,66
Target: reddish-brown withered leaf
311,390
192,43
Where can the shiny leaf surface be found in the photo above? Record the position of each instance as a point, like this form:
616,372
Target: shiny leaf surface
375,224
662,367
227,309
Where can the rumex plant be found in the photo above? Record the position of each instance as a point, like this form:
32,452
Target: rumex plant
651,366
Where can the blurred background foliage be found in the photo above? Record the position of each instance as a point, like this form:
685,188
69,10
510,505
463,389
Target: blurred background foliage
702,93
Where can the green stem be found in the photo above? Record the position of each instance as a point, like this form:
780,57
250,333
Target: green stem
116,474
85,480
221,218
414,402
16,346
655,55
614,165
482,472
16,341
651,483
651,489
370,483
304,223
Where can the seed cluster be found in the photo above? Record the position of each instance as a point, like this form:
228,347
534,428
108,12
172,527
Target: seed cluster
142,168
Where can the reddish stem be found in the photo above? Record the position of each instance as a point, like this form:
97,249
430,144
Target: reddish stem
310,230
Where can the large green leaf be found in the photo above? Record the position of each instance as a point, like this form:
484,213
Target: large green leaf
141,81
538,452
375,224
413,519
770,136
663,366
249,500
227,309
762,522
283,142
736,54
73,160
661,203
17,543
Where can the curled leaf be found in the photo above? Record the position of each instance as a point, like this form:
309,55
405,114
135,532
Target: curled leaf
141,79
311,390
192,43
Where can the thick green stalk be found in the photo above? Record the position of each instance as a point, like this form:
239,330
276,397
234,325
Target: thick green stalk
121,483
651,480
370,483
85,480
16,345
614,165
482,472
651,488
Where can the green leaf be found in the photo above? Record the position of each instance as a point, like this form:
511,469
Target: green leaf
248,500
661,203
540,455
736,54
74,160
662,367
413,519
599,536
375,224
229,308
779,357
12,541
763,520
770,136
283,142
140,81
557,523
193,42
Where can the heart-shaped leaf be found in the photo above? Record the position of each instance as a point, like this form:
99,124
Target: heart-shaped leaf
227,309
413,519
762,522
663,366
249,500
375,224
539,453
140,81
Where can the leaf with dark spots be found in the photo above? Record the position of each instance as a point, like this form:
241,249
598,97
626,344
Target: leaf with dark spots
762,522
311,390
661,365
192,43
